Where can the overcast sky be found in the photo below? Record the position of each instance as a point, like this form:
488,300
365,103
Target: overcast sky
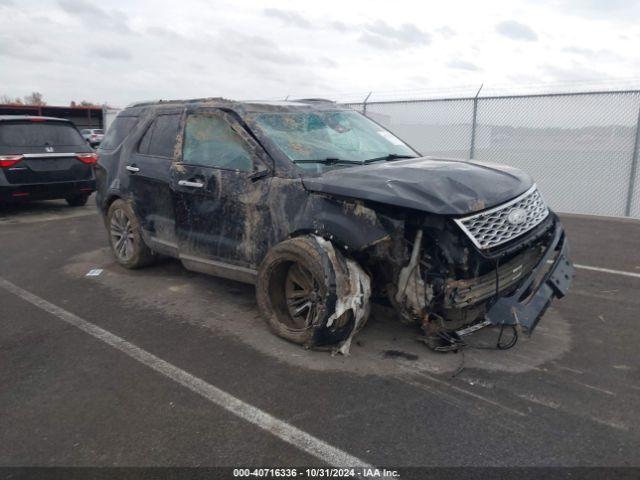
123,51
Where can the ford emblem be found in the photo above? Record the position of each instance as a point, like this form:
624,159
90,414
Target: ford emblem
517,216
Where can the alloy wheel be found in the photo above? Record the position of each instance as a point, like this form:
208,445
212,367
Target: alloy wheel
122,235
302,294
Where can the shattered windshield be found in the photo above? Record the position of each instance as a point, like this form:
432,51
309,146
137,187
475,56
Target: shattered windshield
318,141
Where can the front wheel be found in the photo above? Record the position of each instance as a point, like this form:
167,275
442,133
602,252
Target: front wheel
301,290
125,237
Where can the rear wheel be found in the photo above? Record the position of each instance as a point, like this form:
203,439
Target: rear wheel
296,293
77,200
125,237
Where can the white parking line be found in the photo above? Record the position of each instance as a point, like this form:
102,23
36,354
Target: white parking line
36,217
607,270
279,428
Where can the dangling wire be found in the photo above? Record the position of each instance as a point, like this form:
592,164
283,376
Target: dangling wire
455,343
512,342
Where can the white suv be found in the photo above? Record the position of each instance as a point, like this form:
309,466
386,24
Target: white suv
93,136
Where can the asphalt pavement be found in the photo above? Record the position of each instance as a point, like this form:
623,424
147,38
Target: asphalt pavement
567,396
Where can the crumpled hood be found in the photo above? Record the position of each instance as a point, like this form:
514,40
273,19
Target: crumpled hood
440,186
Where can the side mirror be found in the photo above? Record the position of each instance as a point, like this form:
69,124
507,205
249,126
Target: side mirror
258,174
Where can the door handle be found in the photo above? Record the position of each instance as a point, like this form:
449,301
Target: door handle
187,183
132,168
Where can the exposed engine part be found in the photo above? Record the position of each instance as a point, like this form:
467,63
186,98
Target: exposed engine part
412,293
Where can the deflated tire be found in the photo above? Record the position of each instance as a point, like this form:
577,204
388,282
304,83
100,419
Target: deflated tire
312,295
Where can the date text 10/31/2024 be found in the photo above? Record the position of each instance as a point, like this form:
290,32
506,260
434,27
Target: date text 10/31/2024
368,472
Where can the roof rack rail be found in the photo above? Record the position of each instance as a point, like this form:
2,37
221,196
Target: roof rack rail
313,100
162,102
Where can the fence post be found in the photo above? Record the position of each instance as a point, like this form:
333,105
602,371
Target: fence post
634,168
472,148
364,104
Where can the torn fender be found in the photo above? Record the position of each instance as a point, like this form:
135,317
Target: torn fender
353,290
349,224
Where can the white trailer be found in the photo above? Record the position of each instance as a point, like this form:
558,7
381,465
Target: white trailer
108,114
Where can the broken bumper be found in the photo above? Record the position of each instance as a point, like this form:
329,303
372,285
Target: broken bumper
527,304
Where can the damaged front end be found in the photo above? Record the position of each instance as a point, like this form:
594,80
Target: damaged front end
455,275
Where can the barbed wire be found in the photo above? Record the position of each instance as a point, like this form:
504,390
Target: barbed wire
467,91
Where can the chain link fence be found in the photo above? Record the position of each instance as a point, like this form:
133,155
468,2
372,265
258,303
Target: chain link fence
581,148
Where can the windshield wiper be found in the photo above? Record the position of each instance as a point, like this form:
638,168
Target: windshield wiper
391,156
335,161
328,161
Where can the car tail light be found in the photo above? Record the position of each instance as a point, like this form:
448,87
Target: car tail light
88,158
7,161
38,119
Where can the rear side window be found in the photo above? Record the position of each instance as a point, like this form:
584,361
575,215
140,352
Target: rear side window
39,134
209,141
160,138
118,131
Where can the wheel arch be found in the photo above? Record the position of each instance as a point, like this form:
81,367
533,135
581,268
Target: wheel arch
108,201
349,225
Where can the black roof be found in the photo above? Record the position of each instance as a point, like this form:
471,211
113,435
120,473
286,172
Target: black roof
311,104
30,117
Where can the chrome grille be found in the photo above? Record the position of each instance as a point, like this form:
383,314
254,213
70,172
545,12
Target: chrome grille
494,227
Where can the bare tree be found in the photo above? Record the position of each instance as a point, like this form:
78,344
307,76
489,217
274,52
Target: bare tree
7,100
36,98
83,103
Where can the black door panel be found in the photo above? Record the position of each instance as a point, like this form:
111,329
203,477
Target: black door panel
149,173
215,204
152,196
214,221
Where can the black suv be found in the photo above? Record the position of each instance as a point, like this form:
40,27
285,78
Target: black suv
43,158
324,209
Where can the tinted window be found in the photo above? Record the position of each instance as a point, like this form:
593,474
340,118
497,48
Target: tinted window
143,146
118,131
36,134
99,132
160,138
210,141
